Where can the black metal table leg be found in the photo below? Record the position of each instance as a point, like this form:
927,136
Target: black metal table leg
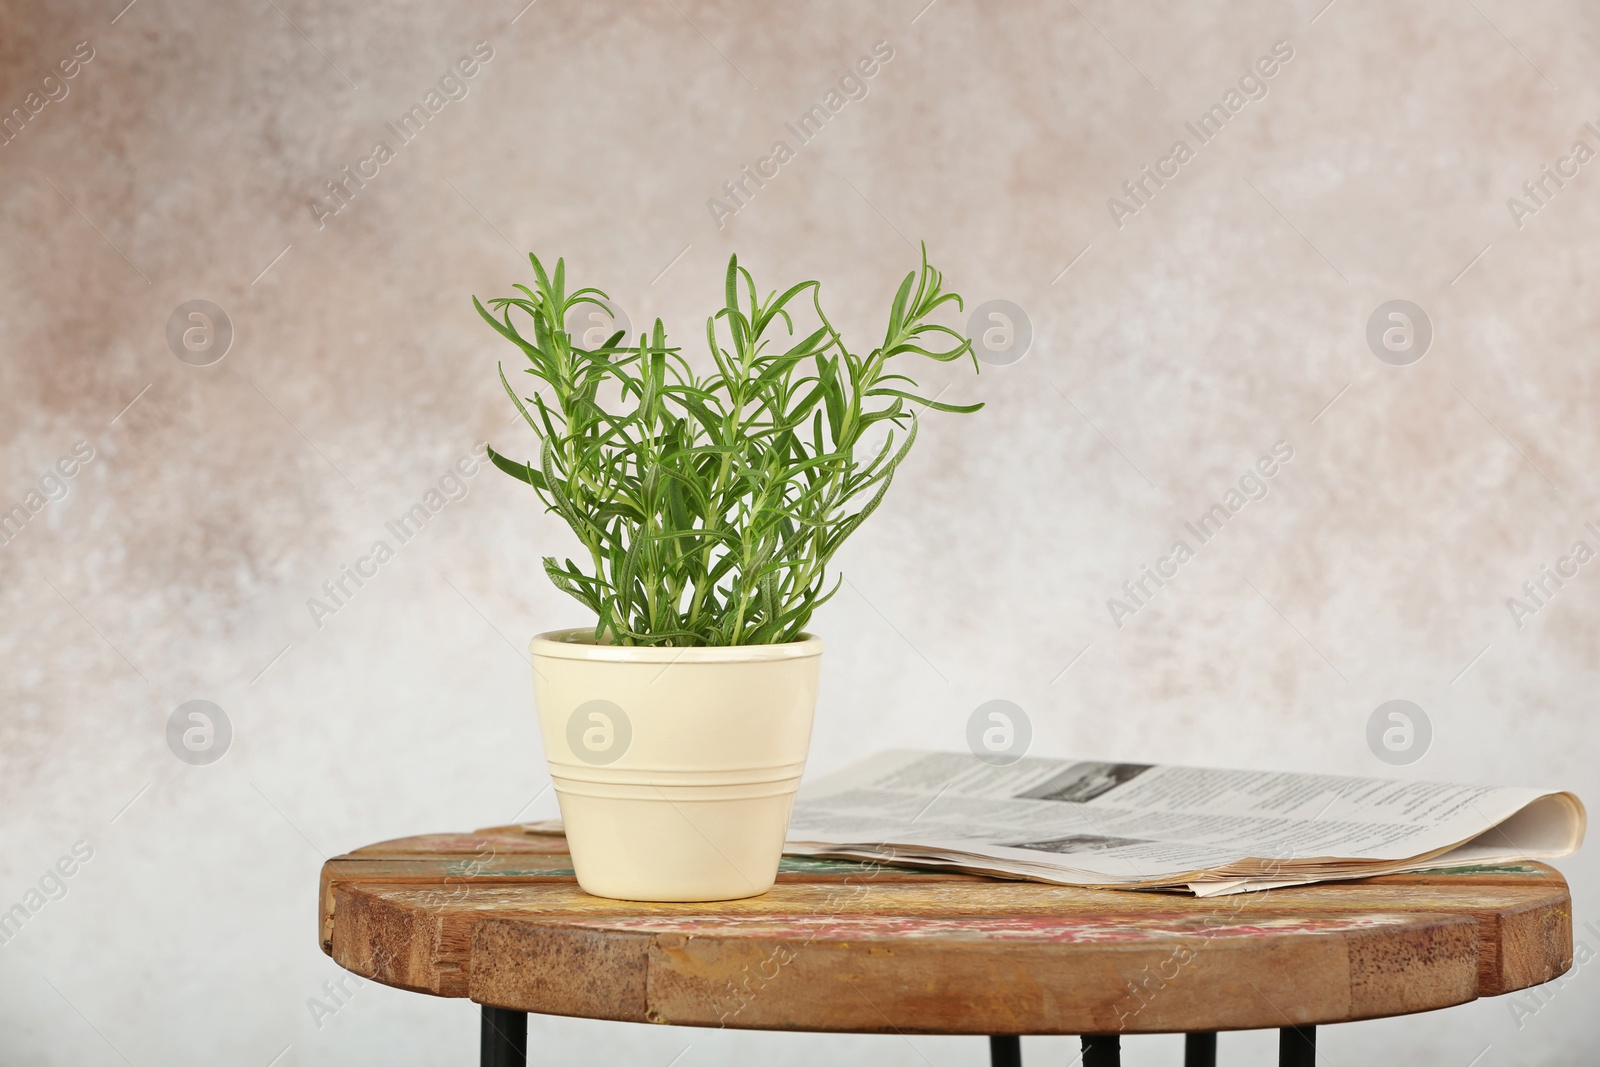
503,1038
1297,1046
1200,1050
1102,1050
1005,1050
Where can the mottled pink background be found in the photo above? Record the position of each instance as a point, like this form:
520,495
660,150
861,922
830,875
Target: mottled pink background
1221,318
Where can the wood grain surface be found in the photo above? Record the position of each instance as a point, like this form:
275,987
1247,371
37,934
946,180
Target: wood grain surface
839,946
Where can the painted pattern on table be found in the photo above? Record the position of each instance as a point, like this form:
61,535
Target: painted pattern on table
517,840
453,843
451,864
1043,929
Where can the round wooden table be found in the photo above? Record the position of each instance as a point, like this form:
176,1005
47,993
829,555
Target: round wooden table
853,947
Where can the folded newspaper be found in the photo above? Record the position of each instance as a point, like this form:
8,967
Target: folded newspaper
1146,826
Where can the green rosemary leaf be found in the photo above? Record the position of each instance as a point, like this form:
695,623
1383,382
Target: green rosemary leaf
959,409
520,471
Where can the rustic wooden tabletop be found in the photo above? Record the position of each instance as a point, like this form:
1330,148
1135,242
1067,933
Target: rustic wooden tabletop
496,915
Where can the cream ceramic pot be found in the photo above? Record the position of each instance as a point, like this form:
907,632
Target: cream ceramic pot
675,768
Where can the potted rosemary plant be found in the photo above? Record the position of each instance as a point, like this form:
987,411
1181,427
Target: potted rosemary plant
708,505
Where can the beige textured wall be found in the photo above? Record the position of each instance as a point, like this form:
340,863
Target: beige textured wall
1222,317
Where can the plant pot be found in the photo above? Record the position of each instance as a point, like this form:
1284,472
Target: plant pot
675,768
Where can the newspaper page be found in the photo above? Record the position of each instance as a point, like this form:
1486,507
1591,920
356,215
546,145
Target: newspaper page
1146,826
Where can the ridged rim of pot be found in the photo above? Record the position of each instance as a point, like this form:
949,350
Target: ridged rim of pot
579,644
688,794
673,777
